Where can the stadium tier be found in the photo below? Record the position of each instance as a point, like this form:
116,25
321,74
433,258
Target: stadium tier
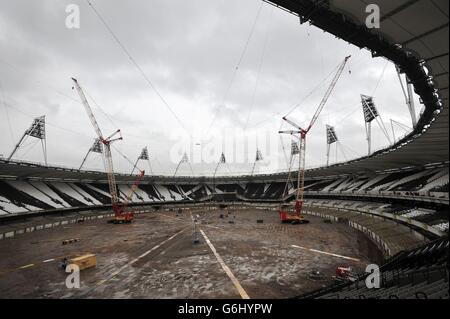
419,273
36,192
416,197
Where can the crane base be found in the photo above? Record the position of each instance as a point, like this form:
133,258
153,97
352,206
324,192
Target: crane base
120,221
295,222
125,218
300,222
285,218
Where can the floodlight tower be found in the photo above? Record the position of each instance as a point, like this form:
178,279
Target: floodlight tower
404,127
97,147
258,158
222,160
301,134
409,96
144,157
331,139
184,160
36,130
371,113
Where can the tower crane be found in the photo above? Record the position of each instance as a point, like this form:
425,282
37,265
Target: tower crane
296,217
121,214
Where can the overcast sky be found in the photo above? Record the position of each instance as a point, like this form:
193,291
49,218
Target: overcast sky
225,86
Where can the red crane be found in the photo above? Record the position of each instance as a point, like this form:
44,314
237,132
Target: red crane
121,215
301,133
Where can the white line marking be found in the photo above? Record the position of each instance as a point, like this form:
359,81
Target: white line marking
156,247
227,270
325,253
26,266
211,226
48,260
138,258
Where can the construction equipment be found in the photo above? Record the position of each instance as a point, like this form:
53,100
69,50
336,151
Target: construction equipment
296,216
345,274
85,261
121,215
70,241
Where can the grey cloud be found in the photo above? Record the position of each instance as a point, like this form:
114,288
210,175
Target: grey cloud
189,49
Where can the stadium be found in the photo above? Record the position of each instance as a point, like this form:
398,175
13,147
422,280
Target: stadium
299,232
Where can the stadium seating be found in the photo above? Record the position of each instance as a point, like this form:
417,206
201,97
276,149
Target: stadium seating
20,198
370,196
420,273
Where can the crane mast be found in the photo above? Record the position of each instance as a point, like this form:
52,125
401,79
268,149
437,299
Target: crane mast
107,159
110,173
301,134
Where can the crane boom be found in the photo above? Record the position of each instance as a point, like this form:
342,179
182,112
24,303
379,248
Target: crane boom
107,156
88,109
134,187
328,92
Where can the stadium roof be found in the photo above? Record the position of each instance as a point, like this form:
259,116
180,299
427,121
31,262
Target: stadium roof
413,34
418,26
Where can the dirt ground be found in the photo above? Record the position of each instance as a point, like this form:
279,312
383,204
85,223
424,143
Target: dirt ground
156,257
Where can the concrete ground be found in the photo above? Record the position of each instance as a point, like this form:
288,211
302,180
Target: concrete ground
155,257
